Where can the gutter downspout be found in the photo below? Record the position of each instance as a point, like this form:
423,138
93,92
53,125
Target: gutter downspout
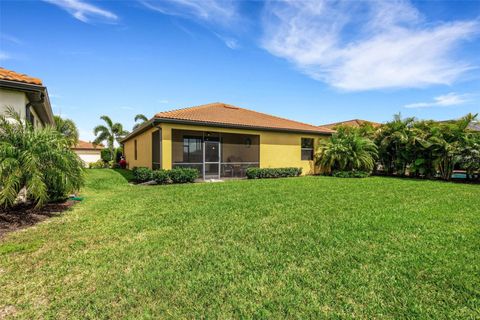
31,104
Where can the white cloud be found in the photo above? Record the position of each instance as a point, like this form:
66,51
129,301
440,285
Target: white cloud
217,11
366,44
11,39
449,99
222,13
231,43
4,55
163,101
83,11
127,108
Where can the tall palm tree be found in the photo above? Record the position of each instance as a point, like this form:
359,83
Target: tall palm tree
109,133
392,140
37,163
68,128
140,117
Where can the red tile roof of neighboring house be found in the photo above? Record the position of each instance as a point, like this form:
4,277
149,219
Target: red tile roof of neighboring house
84,145
231,116
18,77
351,123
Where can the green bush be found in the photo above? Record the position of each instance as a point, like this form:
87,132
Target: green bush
160,176
106,155
142,174
183,175
100,164
350,174
263,173
37,161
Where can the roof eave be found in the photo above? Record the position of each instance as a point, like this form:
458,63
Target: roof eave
154,121
31,89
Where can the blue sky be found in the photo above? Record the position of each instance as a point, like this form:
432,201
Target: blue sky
316,62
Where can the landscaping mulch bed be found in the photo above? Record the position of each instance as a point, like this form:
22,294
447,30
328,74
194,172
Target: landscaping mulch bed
23,216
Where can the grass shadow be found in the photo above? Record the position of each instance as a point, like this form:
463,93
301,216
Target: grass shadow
125,173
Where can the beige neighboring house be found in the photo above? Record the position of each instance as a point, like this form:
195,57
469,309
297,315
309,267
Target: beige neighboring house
351,123
88,151
27,96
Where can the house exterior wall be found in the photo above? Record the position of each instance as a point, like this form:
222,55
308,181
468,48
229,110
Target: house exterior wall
144,150
277,149
89,156
14,99
18,101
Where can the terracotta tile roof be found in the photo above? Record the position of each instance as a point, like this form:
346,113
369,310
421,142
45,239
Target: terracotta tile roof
87,145
224,114
18,77
351,123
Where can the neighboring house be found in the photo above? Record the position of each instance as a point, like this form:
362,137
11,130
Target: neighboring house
88,151
221,140
473,126
351,123
27,96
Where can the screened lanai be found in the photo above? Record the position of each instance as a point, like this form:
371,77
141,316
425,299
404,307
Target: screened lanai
215,154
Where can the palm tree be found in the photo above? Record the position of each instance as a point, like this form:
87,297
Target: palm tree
392,140
37,163
140,117
68,128
109,133
347,151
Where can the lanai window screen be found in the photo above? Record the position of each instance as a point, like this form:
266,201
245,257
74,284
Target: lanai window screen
230,158
239,152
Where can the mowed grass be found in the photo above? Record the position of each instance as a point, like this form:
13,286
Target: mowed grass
309,247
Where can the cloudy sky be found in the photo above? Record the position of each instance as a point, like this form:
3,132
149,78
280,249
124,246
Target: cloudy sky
312,61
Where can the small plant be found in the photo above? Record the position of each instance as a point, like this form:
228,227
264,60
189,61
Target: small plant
264,173
160,176
100,164
142,174
183,175
350,174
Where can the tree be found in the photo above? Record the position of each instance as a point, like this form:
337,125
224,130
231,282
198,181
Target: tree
392,140
346,150
35,162
68,128
109,133
139,117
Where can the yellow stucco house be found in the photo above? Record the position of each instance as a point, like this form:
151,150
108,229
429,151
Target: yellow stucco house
222,141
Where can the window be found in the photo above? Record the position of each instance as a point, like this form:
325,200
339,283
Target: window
307,149
135,149
192,150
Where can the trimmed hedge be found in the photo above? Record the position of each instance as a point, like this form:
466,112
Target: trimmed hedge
183,175
142,174
350,174
264,173
160,176
178,175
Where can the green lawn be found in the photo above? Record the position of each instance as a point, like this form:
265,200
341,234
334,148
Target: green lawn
310,247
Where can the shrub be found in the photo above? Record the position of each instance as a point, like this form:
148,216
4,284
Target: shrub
142,174
183,175
262,173
106,155
346,150
100,164
38,161
350,174
160,176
